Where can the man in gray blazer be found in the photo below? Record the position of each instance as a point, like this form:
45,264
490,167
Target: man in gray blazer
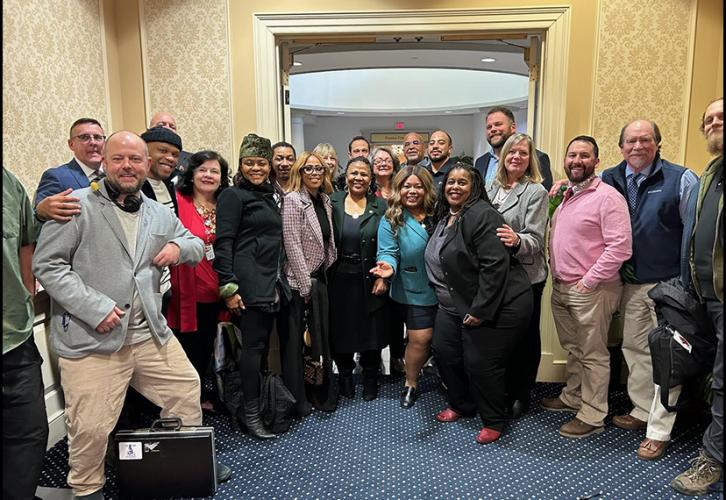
101,270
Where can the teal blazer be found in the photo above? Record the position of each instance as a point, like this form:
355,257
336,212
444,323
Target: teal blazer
404,251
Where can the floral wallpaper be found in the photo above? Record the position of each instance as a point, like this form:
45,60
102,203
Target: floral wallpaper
53,73
642,72
187,72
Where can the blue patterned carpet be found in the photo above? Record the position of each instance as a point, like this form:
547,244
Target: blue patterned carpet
378,450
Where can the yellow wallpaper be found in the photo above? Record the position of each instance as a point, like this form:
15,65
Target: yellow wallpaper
642,72
53,73
186,71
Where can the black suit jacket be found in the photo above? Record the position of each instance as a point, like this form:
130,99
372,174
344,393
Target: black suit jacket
482,163
480,273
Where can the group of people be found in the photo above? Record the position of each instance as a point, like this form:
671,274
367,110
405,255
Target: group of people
145,248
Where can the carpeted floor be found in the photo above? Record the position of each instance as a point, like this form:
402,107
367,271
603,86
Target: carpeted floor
378,450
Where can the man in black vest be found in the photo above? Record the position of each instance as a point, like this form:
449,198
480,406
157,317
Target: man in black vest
500,126
655,191
703,267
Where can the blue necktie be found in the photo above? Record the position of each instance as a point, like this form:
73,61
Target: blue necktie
633,192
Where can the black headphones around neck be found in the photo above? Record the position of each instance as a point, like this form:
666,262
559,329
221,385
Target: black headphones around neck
131,203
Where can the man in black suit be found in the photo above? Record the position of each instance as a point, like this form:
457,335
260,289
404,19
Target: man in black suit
500,126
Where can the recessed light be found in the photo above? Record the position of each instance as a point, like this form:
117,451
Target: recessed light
488,59
340,113
297,63
447,112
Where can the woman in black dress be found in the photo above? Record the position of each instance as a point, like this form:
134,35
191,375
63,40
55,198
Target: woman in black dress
357,299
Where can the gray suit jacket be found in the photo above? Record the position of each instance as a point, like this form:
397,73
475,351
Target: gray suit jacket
525,211
87,269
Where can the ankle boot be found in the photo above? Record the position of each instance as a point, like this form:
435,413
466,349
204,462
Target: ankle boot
370,387
253,421
346,387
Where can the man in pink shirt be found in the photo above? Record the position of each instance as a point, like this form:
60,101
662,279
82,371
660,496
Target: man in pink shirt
590,238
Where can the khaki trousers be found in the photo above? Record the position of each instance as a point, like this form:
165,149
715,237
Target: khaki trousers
94,389
582,321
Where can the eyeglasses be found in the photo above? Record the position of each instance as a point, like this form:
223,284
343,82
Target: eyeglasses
309,169
381,161
89,137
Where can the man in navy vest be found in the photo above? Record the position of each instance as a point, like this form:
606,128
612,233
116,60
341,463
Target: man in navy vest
655,190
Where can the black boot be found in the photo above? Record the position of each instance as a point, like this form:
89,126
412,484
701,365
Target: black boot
370,387
346,388
253,421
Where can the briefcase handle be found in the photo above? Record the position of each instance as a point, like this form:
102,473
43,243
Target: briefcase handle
165,424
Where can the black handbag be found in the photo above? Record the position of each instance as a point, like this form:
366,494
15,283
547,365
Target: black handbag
276,403
683,345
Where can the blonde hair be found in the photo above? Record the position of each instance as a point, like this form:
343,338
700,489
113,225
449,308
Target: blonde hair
296,183
394,213
532,174
326,149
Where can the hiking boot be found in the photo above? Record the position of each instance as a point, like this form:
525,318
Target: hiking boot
704,472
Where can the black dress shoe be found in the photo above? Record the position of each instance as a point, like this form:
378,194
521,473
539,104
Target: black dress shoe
519,408
346,388
370,388
408,397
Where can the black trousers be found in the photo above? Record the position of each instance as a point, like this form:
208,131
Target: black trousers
290,321
256,327
522,372
199,345
25,424
370,361
472,361
713,437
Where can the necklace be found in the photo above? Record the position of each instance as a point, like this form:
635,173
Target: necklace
454,214
209,218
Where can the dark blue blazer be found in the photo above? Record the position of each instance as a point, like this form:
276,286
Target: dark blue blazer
482,163
57,179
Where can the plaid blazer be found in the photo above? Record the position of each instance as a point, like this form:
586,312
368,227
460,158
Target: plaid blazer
303,239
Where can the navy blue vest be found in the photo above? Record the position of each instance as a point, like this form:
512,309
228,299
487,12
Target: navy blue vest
656,223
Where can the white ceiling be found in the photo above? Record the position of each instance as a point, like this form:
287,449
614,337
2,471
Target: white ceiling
319,87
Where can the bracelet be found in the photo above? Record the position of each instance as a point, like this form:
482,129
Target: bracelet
226,291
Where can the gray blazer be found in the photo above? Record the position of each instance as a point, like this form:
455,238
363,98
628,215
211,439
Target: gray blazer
525,211
86,267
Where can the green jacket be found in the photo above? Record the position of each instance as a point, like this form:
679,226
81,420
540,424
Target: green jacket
708,176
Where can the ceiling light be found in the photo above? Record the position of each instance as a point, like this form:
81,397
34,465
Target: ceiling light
340,113
488,59
297,63
447,111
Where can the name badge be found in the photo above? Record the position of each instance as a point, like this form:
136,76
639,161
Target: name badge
209,252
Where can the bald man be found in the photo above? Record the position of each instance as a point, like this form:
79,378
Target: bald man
102,273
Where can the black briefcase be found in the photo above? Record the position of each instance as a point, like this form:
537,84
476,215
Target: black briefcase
166,460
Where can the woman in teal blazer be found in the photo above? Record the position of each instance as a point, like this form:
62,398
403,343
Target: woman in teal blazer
402,237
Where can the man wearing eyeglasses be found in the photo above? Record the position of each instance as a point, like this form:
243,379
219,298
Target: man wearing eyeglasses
414,149
654,189
53,199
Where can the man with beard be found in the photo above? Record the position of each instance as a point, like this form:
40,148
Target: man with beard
414,149
53,199
500,126
590,238
655,190
106,322
703,259
283,156
440,146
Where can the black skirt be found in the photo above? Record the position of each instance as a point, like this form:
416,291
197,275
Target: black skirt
352,327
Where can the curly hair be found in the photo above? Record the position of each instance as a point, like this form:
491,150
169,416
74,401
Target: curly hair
186,185
394,213
478,190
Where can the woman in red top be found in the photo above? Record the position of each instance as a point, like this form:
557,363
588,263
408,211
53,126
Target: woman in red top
195,307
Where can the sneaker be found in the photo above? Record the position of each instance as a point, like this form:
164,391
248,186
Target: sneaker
651,449
577,429
629,422
556,404
704,472
223,472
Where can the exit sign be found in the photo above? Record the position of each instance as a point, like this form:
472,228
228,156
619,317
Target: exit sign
399,125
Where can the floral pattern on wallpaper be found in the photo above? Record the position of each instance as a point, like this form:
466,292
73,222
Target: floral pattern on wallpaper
642,72
53,73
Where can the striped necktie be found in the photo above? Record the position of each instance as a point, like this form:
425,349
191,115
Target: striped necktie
96,176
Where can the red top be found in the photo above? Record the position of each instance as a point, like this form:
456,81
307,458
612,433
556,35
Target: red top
190,285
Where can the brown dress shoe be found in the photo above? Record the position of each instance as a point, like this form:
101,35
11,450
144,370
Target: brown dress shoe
629,422
556,404
577,429
651,449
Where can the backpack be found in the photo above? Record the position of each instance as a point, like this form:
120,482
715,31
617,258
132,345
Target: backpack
683,345
276,403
